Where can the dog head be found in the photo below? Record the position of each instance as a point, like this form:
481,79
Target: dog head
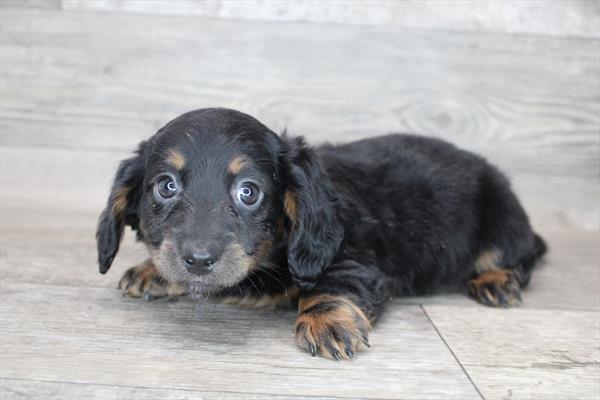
213,192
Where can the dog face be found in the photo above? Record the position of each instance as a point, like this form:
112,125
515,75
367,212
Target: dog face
211,194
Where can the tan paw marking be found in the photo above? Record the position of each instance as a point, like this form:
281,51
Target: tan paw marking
144,281
496,288
332,326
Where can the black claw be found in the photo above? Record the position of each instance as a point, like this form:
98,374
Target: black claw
313,349
365,341
501,298
517,295
350,354
483,298
149,297
472,289
336,354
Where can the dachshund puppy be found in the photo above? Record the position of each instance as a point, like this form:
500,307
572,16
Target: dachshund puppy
228,208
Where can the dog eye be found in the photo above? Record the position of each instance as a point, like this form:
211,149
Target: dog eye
248,193
165,187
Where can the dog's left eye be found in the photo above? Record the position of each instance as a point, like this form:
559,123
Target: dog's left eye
165,187
248,193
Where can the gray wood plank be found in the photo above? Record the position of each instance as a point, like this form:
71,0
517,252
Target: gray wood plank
51,200
55,247
568,278
31,4
529,104
58,178
524,354
564,18
92,336
479,90
21,389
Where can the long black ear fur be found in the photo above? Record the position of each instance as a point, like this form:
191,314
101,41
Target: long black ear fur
310,204
120,210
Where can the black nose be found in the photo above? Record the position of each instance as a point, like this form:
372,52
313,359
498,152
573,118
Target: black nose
200,261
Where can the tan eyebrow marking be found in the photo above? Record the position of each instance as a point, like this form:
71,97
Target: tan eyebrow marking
176,159
238,163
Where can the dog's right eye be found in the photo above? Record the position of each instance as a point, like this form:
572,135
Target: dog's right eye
165,187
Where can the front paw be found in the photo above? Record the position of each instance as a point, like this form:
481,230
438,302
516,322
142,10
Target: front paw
331,326
143,280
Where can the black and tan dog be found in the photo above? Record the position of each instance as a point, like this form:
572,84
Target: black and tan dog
228,208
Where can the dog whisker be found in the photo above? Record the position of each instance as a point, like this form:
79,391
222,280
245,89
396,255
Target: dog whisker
273,276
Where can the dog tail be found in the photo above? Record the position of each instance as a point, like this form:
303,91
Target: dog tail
526,267
540,246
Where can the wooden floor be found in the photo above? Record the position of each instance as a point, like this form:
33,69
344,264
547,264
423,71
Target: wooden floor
80,89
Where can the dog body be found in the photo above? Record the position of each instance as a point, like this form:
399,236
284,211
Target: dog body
227,207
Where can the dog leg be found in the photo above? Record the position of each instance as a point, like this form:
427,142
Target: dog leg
332,326
143,280
335,318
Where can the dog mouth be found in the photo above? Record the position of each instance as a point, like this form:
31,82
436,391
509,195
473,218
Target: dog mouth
233,267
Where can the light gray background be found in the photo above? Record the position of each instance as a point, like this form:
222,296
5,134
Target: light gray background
516,81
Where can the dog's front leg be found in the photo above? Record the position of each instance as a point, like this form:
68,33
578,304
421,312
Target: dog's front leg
145,281
334,319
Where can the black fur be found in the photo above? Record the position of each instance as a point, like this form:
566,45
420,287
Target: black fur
388,216
316,239
110,226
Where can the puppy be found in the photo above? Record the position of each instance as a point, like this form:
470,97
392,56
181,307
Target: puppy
228,208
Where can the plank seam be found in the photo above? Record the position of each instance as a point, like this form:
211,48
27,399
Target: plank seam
452,352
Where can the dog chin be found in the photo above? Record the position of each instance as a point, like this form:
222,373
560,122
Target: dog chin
197,290
200,288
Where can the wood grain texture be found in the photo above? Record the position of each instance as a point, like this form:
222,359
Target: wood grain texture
65,254
80,180
561,18
78,90
62,251
19,389
105,338
57,179
531,105
31,4
524,354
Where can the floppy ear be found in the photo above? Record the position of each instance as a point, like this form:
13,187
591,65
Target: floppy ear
310,204
121,209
